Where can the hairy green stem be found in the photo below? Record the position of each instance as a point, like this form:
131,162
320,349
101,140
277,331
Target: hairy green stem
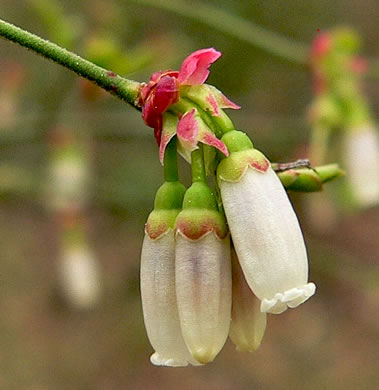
121,87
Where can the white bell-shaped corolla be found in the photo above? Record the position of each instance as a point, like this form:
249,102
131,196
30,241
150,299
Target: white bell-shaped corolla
248,322
159,303
264,228
80,276
361,160
203,274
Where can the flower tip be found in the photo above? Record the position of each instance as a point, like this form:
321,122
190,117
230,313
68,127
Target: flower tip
157,360
248,347
203,355
289,299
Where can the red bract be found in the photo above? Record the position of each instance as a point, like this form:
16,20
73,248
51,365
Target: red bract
163,88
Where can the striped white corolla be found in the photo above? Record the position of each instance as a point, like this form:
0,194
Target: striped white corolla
203,288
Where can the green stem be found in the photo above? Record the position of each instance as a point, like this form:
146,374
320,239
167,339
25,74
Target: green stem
197,167
318,145
127,90
170,162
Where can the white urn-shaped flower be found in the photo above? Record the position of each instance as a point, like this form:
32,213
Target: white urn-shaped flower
264,227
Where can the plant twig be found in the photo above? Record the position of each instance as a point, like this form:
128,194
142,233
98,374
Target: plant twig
121,87
235,26
275,44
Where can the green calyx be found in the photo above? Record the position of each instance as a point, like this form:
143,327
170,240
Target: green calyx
167,206
234,167
195,223
242,156
200,214
160,222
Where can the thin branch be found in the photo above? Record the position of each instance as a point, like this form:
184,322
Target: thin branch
245,30
235,26
121,87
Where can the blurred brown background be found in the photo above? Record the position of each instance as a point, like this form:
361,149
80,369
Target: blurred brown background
331,342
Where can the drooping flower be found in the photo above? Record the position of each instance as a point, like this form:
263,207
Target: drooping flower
265,231
248,322
69,177
78,268
361,158
165,88
79,275
158,280
203,274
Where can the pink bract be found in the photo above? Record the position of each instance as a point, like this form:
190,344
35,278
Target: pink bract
192,130
194,69
163,88
188,131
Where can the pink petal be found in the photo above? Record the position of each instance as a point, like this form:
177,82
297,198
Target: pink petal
158,99
213,103
165,94
217,99
188,130
165,139
157,75
149,115
208,138
226,103
194,69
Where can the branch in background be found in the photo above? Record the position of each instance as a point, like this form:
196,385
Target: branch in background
16,179
121,87
244,30
236,27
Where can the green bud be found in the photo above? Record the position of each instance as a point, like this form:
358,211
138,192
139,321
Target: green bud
309,180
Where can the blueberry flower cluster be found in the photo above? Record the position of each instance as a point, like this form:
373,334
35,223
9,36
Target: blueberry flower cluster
340,107
215,259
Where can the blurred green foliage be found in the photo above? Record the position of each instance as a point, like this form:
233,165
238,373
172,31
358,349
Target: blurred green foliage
330,341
